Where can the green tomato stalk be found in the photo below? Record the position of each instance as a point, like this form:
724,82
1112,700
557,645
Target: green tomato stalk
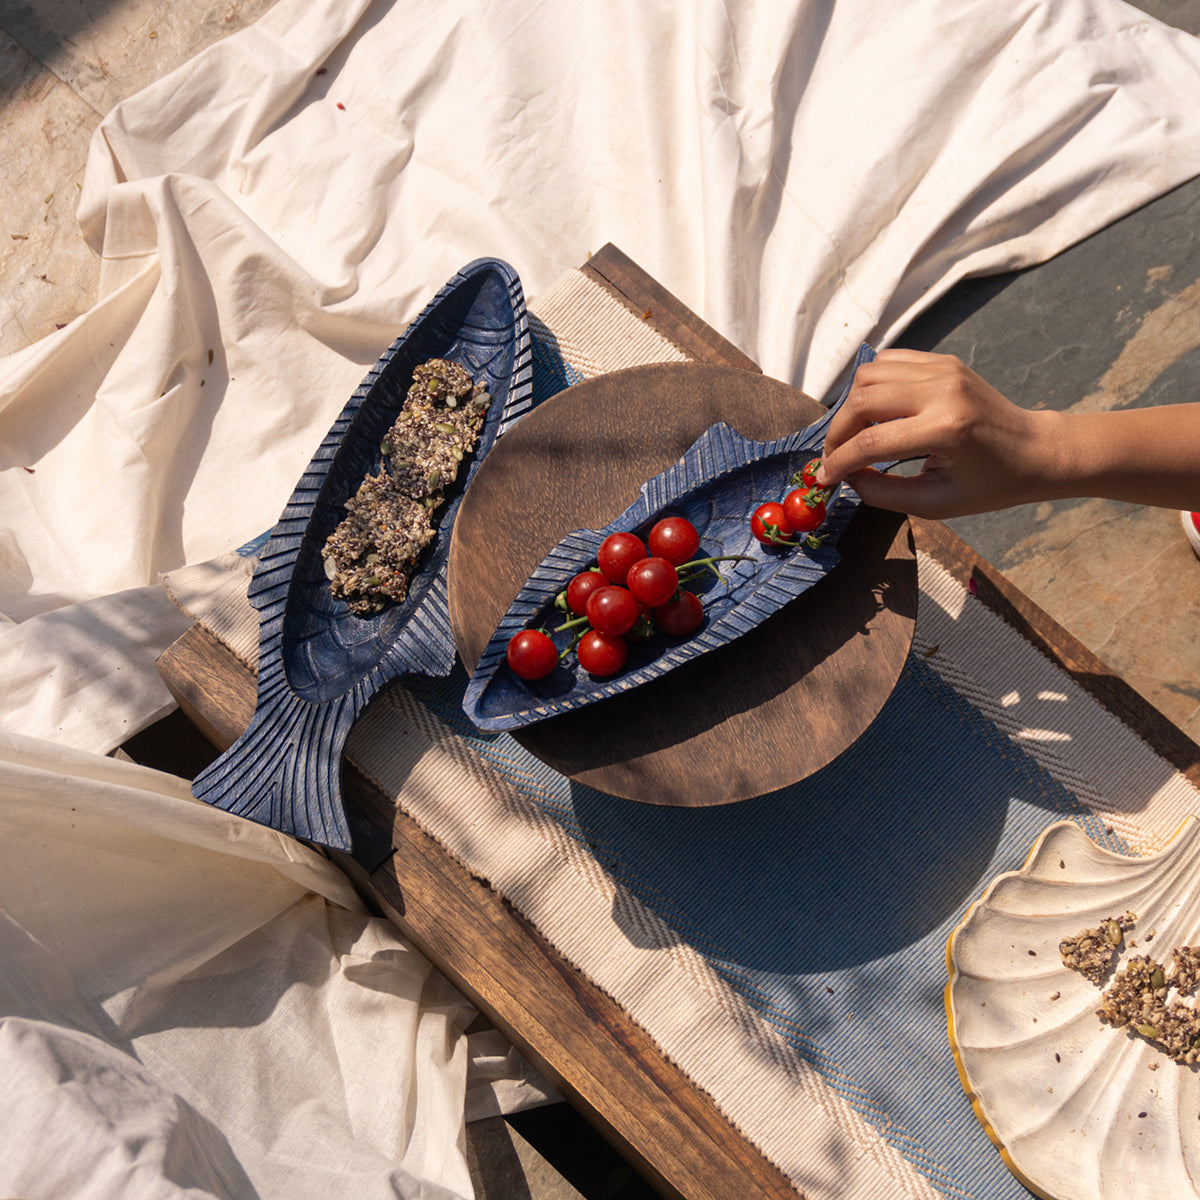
706,564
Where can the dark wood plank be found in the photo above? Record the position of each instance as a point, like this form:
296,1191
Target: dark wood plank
601,1059
648,299
825,664
213,687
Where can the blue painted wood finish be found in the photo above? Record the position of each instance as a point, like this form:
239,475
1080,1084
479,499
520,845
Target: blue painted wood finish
319,664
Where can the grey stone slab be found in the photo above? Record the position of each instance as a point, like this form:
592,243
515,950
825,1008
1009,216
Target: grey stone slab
1113,322
49,274
1183,14
105,50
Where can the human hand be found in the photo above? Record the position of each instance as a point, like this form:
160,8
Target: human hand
981,451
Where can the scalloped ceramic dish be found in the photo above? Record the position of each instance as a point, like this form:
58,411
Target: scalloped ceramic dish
319,664
717,484
1079,1110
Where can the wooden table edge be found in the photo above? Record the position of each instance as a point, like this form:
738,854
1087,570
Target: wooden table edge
1086,669
647,299
602,1060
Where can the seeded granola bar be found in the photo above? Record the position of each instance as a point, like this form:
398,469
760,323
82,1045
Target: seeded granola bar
1140,997
371,555
1186,975
1093,951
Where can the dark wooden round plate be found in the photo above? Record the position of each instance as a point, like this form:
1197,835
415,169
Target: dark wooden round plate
758,714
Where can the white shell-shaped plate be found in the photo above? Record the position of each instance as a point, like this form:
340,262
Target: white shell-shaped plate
1079,1110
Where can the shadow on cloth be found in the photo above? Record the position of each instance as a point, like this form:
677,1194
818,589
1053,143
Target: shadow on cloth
864,858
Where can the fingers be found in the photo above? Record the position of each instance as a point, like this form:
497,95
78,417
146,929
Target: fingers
900,355
881,491
910,405
887,441
883,429
883,415
924,495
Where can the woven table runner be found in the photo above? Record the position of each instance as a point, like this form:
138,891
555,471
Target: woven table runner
786,952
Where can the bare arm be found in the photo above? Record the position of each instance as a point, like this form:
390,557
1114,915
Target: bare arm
983,453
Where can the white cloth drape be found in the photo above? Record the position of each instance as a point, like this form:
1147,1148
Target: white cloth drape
192,1005
805,174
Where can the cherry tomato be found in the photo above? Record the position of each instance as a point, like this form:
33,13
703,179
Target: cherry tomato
653,581
681,616
618,552
803,514
581,587
531,654
770,525
675,539
612,610
600,654
808,474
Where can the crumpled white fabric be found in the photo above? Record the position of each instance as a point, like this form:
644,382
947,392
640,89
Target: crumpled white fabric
185,1004
805,174
193,1005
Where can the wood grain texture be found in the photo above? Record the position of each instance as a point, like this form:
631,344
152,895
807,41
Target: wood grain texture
770,708
644,296
210,684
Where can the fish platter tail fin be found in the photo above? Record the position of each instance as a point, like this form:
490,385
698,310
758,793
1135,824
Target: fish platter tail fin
285,771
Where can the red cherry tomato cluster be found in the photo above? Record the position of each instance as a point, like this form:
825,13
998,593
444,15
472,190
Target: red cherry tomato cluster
802,511
634,590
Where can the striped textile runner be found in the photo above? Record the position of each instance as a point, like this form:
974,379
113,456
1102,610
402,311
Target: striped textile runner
787,952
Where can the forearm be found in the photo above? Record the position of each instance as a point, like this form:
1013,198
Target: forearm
1141,455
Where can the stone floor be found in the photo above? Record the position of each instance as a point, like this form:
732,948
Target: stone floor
63,65
1113,322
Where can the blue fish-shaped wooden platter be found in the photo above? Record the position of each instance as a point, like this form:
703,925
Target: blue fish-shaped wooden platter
716,485
319,664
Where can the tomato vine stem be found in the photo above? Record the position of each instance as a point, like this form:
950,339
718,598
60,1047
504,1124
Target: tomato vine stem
706,564
571,624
